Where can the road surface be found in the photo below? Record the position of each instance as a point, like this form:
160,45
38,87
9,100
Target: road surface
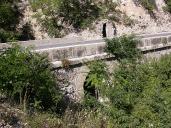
89,42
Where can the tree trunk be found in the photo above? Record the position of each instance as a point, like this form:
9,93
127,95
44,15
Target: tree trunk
25,101
21,100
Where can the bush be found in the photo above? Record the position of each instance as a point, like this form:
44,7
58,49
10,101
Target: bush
168,7
26,78
9,15
90,102
124,47
9,19
8,36
98,73
148,4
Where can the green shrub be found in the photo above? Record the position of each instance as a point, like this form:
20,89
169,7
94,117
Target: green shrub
90,102
168,7
9,16
124,47
127,20
8,36
26,78
148,4
9,19
98,77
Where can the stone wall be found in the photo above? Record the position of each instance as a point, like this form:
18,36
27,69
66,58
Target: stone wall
82,53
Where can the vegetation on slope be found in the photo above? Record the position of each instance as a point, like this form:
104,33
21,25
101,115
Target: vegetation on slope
148,4
168,7
60,14
58,17
135,94
139,93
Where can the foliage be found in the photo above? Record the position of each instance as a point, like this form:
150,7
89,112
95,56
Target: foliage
58,17
9,19
124,47
90,102
127,20
25,77
61,13
148,4
98,76
140,95
96,84
8,36
168,7
10,15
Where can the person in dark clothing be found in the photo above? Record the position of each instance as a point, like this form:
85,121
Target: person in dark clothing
104,31
114,29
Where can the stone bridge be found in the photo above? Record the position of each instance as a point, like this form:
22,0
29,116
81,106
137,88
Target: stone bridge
76,52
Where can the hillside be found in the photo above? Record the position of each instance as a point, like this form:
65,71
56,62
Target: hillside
43,19
132,18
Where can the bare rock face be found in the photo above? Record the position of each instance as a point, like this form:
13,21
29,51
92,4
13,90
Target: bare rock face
144,22
28,18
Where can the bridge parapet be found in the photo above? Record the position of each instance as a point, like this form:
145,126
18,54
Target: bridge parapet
89,50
